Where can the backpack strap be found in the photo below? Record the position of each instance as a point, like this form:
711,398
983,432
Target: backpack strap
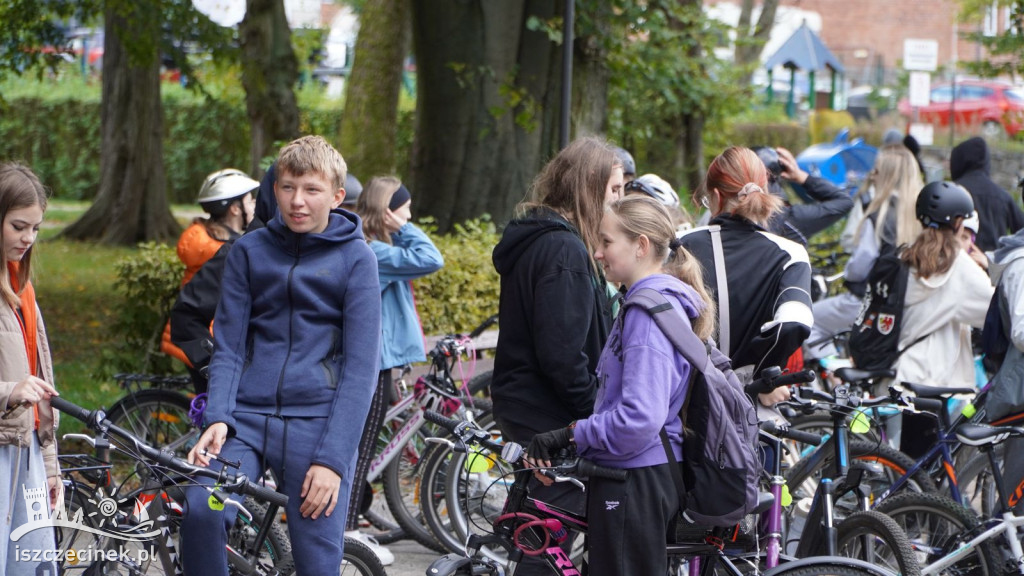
723,288
683,339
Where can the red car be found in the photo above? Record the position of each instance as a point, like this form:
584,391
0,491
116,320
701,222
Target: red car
996,107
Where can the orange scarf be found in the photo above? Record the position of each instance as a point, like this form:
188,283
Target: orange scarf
29,322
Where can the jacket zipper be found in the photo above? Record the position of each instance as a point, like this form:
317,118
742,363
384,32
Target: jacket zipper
291,305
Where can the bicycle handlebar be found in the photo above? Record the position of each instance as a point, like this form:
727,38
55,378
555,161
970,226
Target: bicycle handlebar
770,427
466,432
97,420
770,380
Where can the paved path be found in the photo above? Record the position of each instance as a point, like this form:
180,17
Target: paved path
411,559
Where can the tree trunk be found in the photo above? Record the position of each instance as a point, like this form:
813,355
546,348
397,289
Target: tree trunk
131,205
488,99
590,69
269,73
691,122
368,126
748,53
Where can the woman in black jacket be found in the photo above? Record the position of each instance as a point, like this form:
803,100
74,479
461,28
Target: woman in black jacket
760,281
554,308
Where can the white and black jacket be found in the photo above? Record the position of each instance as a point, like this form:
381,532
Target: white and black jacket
769,280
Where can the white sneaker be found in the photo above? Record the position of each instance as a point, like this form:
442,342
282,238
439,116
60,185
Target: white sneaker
383,554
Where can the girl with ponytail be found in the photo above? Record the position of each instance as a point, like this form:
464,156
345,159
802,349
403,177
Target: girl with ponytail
760,282
643,386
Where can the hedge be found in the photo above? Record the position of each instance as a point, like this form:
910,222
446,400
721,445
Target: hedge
60,139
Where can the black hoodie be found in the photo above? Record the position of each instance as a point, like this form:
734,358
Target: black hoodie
998,214
554,318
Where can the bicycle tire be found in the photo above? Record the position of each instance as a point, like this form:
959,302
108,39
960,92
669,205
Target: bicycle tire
480,385
159,418
276,549
434,489
978,486
874,537
360,560
937,523
802,478
826,568
401,490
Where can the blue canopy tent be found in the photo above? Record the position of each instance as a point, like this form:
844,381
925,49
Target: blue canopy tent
803,51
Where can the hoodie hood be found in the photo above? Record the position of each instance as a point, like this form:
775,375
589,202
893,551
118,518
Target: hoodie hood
342,226
1008,251
969,155
521,233
673,289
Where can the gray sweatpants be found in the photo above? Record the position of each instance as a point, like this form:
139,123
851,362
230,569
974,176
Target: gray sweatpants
25,500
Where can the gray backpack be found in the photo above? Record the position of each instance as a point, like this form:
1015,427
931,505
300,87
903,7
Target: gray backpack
718,478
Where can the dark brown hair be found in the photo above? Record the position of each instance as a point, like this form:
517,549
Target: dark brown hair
19,188
573,184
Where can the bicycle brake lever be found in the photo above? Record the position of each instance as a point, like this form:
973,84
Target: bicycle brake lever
83,437
223,499
445,441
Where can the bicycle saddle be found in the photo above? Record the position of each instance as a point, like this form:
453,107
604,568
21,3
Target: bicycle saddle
853,375
982,434
924,391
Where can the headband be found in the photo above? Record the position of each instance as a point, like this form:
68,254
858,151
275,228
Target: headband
400,197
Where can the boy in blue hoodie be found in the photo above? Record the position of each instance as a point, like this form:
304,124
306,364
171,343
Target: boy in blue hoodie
297,336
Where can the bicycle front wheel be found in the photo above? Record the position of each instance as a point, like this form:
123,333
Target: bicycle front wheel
874,537
359,560
937,526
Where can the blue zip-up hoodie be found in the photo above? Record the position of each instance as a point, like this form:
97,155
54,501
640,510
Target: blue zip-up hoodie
297,332
642,382
411,255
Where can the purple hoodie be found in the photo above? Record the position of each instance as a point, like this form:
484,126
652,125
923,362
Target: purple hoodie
641,386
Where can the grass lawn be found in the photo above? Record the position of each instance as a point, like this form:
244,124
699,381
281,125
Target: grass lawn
75,288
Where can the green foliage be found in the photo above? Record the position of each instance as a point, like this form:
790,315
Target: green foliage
465,292
54,126
31,37
149,282
1004,50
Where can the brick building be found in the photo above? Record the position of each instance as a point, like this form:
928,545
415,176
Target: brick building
867,35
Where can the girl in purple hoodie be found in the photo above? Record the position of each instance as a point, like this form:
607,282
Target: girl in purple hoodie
642,383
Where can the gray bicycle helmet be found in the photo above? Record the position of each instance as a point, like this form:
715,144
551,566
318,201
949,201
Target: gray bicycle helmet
655,187
628,165
222,188
940,203
353,188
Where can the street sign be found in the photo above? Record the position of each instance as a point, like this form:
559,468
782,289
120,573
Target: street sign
923,133
920,55
920,89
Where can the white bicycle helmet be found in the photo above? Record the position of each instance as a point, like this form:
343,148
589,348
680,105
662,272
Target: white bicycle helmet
655,187
222,188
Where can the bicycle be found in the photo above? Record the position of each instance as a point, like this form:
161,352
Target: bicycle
530,527
257,544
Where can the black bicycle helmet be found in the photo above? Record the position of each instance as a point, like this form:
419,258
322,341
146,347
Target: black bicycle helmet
628,165
940,203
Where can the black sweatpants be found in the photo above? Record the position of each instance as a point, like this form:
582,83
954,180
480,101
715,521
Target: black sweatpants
629,522
368,448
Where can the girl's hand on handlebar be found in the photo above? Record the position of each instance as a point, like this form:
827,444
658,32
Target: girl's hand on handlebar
212,440
774,397
30,391
319,491
55,485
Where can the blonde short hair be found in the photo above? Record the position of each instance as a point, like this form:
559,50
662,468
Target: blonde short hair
313,154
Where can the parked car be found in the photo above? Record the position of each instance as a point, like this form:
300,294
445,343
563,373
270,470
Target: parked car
997,107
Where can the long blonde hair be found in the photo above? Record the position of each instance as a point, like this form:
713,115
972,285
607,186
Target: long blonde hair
897,179
19,188
641,215
372,206
573,184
